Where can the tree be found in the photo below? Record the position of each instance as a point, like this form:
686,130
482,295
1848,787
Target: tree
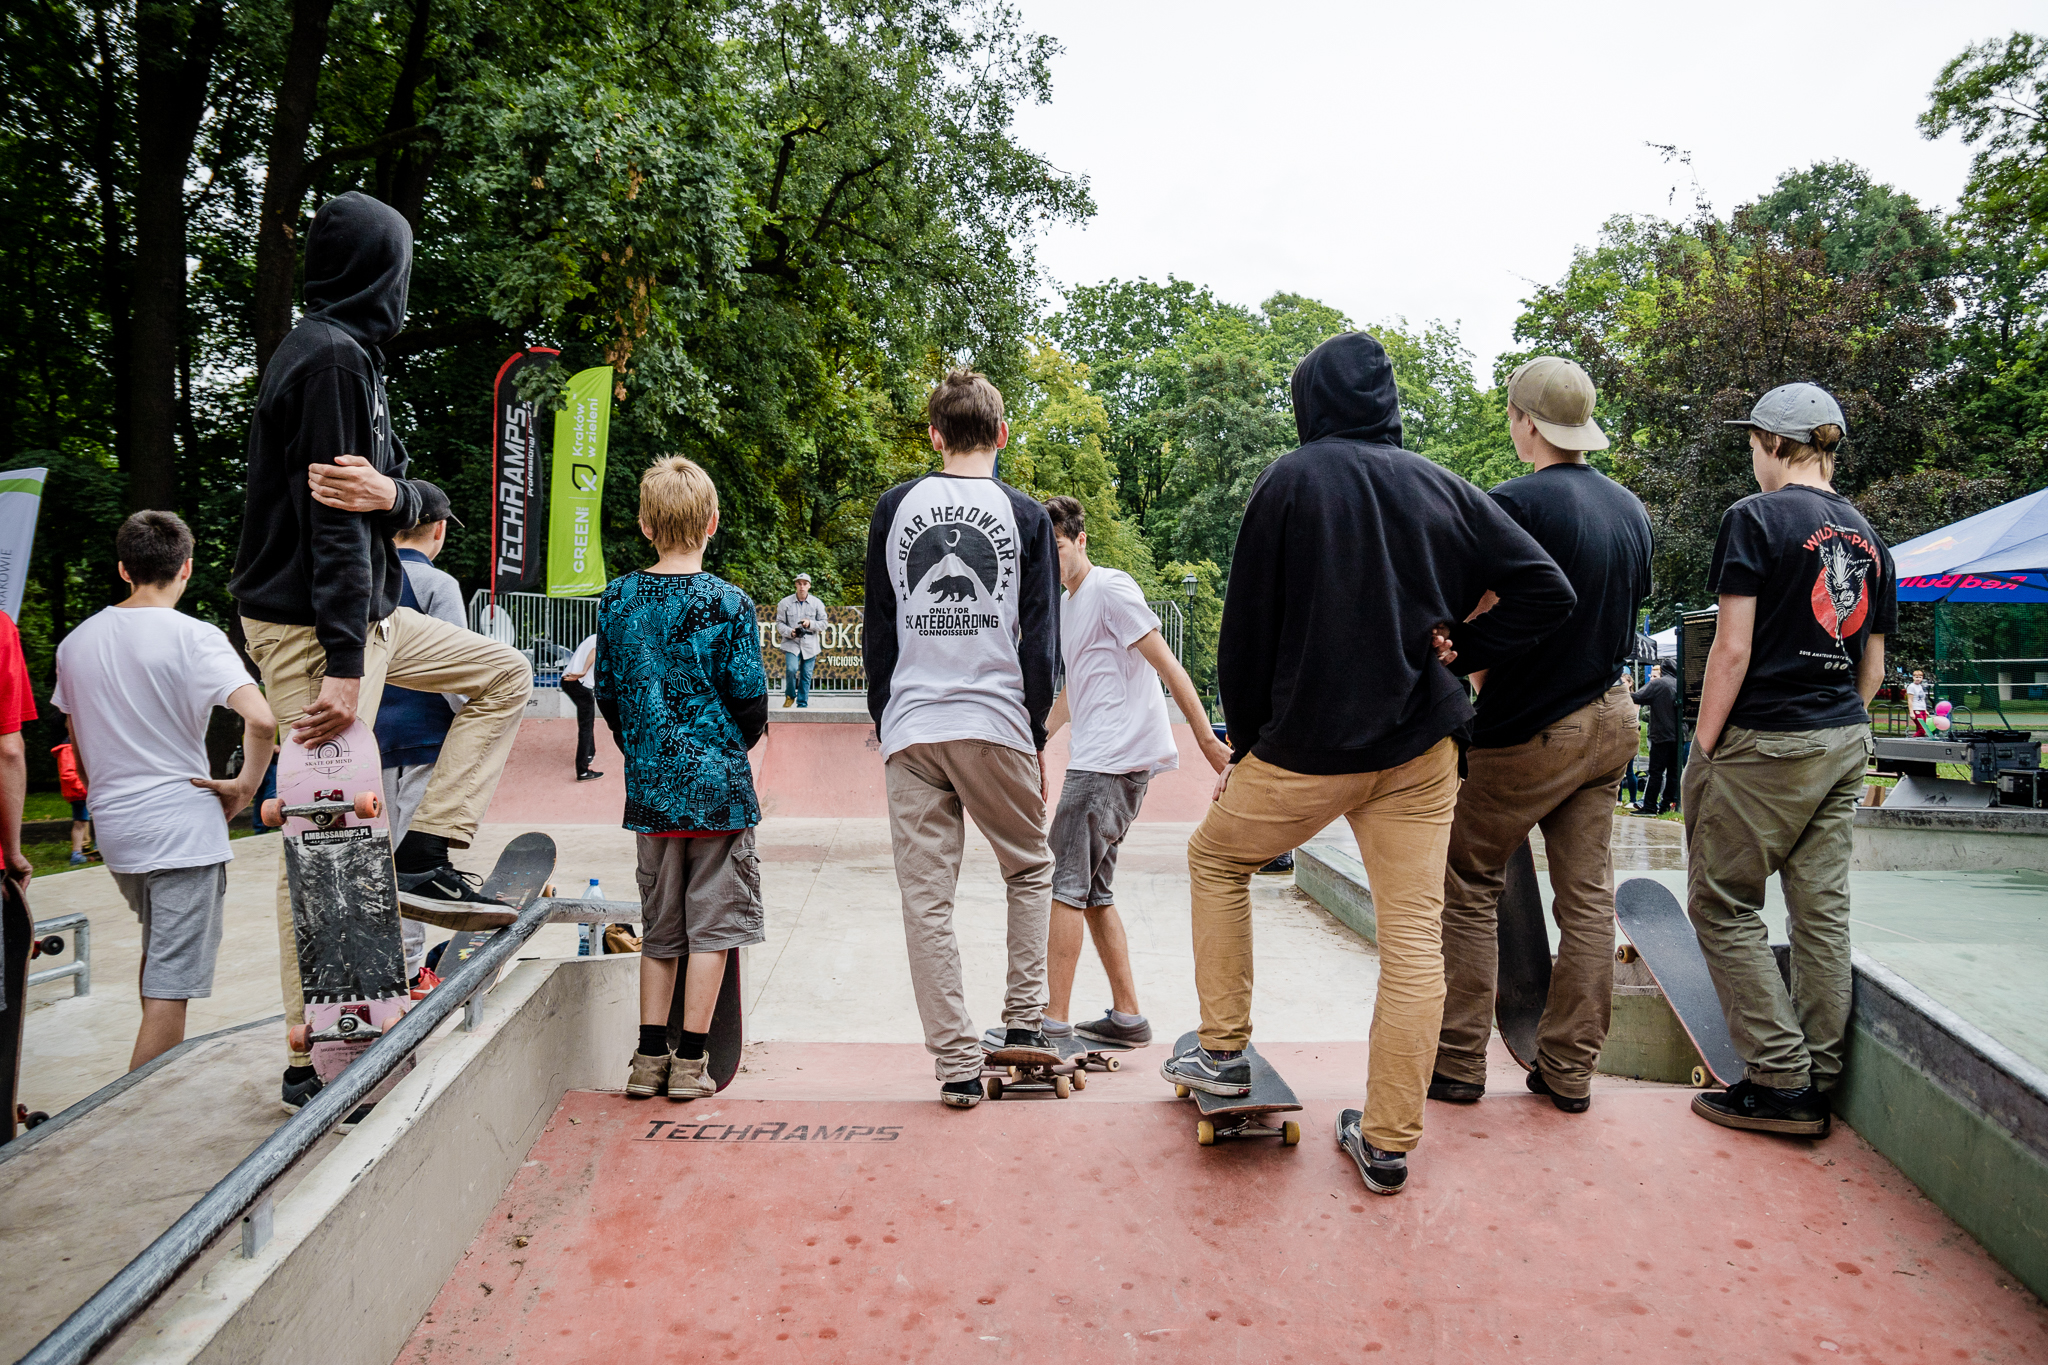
1445,416
1229,428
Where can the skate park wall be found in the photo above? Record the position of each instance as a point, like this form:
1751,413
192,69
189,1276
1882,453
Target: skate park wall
364,1243
811,763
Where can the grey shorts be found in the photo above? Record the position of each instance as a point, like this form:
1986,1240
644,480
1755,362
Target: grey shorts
1095,811
698,895
180,909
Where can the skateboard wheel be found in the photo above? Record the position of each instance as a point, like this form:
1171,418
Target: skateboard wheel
273,811
369,805
993,1086
1181,1092
1699,1078
1061,1087
1080,1081
1013,1074
1290,1134
1205,1133
47,947
299,1037
1112,1064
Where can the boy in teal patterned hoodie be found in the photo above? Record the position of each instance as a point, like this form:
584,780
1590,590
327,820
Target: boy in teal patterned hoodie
680,683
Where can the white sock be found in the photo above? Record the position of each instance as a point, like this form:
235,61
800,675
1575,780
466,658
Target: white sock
1126,1020
1053,1028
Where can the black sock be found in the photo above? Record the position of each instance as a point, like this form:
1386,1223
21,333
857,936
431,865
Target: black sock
419,852
692,1045
653,1040
298,1075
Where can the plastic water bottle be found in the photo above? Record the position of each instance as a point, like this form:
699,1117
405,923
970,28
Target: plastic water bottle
587,939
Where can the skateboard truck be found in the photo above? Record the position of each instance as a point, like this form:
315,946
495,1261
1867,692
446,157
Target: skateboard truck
327,812
349,1028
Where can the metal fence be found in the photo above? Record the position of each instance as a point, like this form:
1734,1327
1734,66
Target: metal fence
548,629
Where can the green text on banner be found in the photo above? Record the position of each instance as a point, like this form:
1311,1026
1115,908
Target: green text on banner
575,558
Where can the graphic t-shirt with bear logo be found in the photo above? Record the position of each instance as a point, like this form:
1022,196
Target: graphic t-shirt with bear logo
1823,584
966,573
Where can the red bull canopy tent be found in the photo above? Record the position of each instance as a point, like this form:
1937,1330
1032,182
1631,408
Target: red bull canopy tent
1995,556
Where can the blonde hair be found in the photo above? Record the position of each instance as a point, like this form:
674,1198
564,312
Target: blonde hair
1821,450
677,502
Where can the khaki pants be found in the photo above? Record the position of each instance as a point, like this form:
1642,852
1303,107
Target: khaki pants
1402,819
1777,803
929,786
413,650
1562,779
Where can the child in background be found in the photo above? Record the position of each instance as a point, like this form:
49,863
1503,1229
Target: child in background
71,785
1916,702
680,683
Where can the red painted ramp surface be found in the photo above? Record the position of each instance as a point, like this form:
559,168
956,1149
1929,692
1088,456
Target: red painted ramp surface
801,768
794,1220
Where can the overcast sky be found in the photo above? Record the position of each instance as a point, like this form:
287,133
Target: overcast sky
1433,159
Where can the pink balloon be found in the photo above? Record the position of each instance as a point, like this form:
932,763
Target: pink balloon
1942,708
1941,722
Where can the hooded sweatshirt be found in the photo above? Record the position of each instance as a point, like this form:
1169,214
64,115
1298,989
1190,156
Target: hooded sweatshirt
1351,550
302,563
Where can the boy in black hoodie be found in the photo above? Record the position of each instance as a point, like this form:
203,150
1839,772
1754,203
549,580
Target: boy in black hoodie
1353,557
317,579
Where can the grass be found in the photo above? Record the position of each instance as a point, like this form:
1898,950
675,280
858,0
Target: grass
45,806
54,855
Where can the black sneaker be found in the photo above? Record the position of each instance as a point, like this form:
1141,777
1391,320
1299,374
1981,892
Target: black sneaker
1539,1086
1384,1172
960,1094
1443,1088
1763,1109
1282,864
301,1083
1108,1030
445,883
1200,1069
588,775
1025,1047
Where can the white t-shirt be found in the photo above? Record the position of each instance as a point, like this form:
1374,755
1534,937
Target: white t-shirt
1120,722
140,684
579,662
1916,696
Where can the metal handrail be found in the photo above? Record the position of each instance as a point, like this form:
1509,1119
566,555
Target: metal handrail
125,1297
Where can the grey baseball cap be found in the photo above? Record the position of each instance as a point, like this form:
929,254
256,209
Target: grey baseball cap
801,578
1793,411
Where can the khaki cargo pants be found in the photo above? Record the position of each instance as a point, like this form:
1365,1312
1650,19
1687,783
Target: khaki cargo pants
1780,804
1402,819
408,649
1562,780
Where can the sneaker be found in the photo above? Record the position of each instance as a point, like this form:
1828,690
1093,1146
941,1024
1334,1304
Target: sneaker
788,702
687,1079
588,775
1763,1109
1199,1069
1024,1046
1384,1172
1283,863
79,860
1539,1086
1108,1030
445,883
647,1076
960,1094
301,1084
424,982
1443,1088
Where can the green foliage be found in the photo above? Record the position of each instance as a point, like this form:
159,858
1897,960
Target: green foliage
1204,621
1445,416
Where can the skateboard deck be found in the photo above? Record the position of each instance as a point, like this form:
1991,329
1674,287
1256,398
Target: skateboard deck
1004,1072
1236,1116
1663,937
518,879
1522,975
727,1036
17,928
1086,1053
344,895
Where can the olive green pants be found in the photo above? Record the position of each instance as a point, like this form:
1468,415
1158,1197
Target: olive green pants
1777,804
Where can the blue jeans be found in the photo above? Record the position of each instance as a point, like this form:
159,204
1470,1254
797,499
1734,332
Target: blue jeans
797,680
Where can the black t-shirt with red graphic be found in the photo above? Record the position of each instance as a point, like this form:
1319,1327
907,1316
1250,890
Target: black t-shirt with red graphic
1823,584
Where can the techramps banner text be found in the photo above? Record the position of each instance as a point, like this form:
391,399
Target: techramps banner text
575,556
519,481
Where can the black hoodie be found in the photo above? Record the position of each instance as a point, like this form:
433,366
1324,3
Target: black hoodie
1351,549
301,563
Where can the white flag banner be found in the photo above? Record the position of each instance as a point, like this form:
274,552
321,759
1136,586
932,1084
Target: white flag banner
21,497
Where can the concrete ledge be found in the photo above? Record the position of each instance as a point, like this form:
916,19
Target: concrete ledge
366,1241
1335,880
1932,839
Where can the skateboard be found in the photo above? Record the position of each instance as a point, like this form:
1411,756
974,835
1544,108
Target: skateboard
1020,1071
16,929
519,878
727,1036
1662,937
1237,1116
344,894
1522,975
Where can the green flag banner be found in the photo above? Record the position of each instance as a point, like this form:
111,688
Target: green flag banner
21,498
575,558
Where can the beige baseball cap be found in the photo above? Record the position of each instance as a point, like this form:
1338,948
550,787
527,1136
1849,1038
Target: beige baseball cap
1558,397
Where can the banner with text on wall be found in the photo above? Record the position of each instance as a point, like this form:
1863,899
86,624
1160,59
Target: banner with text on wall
575,556
21,499
519,481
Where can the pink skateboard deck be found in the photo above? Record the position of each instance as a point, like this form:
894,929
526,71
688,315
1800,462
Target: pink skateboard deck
344,893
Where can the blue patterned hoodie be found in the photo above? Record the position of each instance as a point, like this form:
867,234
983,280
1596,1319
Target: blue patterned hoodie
680,682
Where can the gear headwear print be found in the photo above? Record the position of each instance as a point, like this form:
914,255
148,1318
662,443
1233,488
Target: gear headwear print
951,562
